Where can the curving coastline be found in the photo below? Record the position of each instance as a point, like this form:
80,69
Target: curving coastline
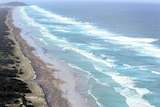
61,83
52,83
51,96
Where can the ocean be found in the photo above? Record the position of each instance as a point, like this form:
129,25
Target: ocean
116,45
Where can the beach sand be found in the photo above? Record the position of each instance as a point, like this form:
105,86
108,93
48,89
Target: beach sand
43,84
61,84
28,76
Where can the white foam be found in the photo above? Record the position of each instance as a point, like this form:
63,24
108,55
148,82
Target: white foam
96,99
93,46
103,56
42,40
133,100
61,29
127,65
89,76
97,48
107,62
143,68
60,19
44,31
92,30
78,68
133,94
97,68
132,41
156,72
141,45
31,22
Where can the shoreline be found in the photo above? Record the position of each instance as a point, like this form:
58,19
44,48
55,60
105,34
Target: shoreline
37,96
60,82
44,78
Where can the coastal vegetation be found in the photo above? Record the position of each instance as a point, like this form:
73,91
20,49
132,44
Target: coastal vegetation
13,89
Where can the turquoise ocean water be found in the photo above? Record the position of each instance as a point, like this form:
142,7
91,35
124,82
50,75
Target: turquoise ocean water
117,45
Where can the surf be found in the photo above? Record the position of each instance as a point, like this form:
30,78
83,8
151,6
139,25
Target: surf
59,33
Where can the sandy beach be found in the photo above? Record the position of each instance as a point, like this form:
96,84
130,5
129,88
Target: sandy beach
57,79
